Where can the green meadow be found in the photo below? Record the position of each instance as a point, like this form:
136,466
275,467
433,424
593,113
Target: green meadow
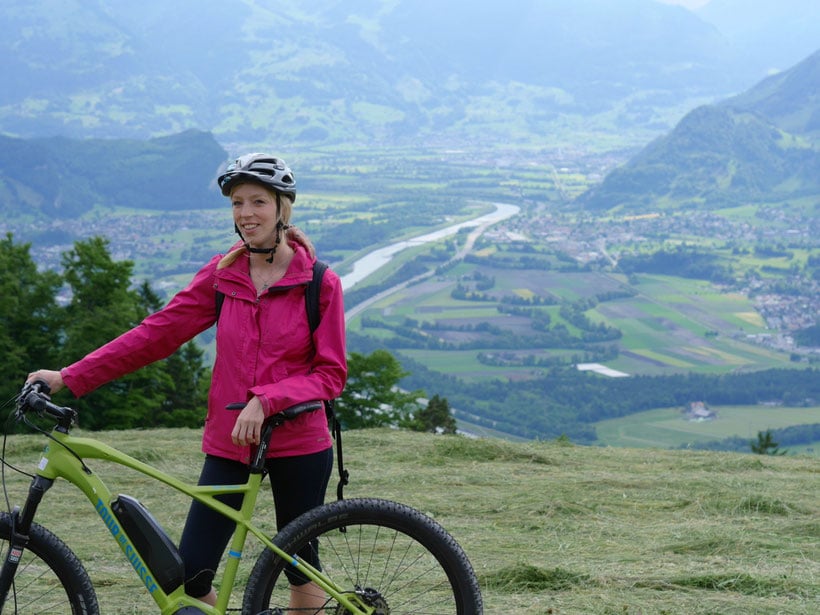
668,428
549,527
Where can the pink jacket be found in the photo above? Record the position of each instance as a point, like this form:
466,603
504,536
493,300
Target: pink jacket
263,348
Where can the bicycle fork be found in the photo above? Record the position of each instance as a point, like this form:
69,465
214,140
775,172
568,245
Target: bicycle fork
21,525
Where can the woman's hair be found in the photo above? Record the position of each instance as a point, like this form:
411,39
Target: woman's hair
284,204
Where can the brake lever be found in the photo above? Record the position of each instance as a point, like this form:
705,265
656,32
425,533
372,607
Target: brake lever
33,396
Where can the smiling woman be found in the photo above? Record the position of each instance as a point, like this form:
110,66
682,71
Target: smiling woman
264,281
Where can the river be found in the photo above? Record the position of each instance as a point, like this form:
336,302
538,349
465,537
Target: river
379,258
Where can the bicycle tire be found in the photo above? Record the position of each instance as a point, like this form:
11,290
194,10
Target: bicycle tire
405,560
47,566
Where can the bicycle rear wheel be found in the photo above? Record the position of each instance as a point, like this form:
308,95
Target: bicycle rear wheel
398,558
49,579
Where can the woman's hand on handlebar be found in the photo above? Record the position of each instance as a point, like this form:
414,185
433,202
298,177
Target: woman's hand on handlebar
52,378
248,427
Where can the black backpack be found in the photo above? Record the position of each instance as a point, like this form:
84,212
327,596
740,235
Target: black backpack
312,307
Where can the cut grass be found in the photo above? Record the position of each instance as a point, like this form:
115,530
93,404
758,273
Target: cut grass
549,527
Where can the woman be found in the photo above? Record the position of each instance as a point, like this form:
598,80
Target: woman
266,356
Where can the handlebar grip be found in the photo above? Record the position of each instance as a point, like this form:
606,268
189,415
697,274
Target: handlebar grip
36,401
288,413
35,397
308,406
41,386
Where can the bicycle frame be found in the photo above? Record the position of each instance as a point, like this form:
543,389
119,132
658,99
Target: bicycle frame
63,458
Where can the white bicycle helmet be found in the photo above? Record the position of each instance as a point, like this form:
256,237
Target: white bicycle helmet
263,169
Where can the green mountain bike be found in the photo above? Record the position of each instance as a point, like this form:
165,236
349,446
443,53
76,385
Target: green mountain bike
377,557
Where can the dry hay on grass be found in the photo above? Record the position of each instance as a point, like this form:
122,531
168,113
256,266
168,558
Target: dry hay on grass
549,527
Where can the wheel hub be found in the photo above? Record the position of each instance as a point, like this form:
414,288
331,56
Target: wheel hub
370,597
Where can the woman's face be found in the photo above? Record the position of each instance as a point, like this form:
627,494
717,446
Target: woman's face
255,214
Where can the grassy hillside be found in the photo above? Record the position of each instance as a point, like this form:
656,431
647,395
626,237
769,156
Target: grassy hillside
59,178
549,527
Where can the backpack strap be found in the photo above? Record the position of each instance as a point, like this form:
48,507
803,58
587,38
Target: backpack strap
336,430
312,306
312,295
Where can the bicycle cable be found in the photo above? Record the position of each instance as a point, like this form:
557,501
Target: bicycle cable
33,427
5,463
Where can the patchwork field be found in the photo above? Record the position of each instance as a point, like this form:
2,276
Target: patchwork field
670,325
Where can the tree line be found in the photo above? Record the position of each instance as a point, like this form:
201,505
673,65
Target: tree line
566,402
52,319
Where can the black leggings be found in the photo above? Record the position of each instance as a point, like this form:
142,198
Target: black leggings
298,485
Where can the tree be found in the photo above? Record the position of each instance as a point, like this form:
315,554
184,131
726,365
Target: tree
435,418
372,397
185,393
36,332
30,318
185,387
102,307
765,444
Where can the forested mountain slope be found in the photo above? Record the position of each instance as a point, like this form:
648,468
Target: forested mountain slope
64,178
760,146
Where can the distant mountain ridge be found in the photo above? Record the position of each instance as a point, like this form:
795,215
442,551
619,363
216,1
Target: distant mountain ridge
65,178
315,71
772,35
762,145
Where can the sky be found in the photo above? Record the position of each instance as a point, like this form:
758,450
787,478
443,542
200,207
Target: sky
690,4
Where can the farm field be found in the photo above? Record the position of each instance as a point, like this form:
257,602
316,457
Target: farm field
671,325
526,296
668,428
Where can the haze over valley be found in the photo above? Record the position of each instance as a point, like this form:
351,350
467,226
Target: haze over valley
664,159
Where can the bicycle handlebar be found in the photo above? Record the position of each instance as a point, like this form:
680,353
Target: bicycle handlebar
34,397
288,413
257,460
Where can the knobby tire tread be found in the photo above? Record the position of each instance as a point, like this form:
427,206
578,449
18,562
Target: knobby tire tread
320,522
55,554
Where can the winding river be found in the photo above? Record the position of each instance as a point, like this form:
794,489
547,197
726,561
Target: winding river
379,258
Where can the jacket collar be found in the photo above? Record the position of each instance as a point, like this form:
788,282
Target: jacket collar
300,270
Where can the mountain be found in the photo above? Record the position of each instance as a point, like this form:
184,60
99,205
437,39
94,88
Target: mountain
790,100
60,177
316,71
762,145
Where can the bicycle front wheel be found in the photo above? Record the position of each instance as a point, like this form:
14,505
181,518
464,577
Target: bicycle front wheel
49,579
393,556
